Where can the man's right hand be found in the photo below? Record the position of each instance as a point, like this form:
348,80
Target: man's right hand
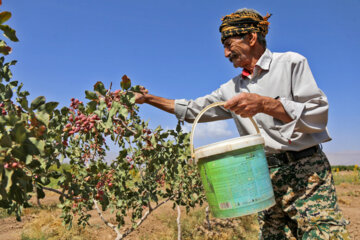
141,97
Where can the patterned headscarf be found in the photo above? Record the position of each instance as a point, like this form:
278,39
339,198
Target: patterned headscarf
240,23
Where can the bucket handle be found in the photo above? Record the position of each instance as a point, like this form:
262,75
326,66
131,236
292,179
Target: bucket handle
198,118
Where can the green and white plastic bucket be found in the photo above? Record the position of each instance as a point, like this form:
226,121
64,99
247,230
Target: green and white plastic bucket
234,174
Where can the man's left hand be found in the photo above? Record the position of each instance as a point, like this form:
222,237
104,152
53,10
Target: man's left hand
245,104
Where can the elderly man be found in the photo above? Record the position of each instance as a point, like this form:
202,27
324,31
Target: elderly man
278,90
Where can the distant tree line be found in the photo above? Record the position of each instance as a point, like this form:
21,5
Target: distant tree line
336,168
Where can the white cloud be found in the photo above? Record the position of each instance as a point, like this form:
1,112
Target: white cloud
211,132
219,129
206,133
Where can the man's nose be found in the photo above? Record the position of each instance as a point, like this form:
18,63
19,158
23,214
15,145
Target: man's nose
227,52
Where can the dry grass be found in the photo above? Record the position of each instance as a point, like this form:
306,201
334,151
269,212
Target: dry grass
48,225
352,177
195,227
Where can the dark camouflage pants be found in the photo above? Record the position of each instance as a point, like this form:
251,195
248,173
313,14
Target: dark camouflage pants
306,203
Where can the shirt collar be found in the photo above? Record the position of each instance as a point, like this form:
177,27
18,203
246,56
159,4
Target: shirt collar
265,60
262,64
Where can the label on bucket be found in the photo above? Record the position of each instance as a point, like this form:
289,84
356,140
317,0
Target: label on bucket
225,205
236,179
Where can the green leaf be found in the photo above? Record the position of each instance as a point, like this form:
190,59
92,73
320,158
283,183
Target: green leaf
99,87
43,117
4,203
4,48
13,62
55,174
125,83
8,174
23,94
123,112
44,180
8,92
24,103
136,88
19,152
64,110
114,108
37,102
19,88
29,158
92,106
102,105
9,33
50,106
14,83
5,141
7,75
39,144
40,192
4,16
90,95
19,133
178,127
131,97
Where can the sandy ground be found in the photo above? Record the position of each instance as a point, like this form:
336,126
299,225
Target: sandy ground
10,229
349,201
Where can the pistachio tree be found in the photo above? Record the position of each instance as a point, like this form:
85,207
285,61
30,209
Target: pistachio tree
152,166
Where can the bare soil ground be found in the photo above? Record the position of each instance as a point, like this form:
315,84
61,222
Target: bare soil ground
10,229
349,201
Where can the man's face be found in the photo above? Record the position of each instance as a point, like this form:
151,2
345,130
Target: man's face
237,50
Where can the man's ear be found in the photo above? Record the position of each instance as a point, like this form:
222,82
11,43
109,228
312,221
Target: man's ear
252,38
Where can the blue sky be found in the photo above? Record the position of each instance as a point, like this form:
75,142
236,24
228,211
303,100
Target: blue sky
173,48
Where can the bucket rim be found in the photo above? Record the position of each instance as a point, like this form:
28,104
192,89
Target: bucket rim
228,145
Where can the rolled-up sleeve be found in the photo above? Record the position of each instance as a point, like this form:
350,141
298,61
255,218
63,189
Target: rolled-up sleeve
308,107
187,110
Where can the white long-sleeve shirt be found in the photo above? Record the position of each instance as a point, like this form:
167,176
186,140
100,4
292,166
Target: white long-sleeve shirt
284,75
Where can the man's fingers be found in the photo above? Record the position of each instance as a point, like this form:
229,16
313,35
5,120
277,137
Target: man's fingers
139,98
233,102
144,90
230,103
240,107
244,104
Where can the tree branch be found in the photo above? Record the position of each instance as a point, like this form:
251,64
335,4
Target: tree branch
178,222
61,193
130,230
125,126
207,217
37,196
109,90
120,236
110,225
57,191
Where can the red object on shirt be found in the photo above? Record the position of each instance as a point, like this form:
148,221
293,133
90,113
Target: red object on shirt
245,73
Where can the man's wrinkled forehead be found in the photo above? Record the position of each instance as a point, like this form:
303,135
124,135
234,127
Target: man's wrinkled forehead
230,40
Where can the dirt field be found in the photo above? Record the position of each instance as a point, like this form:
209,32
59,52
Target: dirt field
160,225
349,201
